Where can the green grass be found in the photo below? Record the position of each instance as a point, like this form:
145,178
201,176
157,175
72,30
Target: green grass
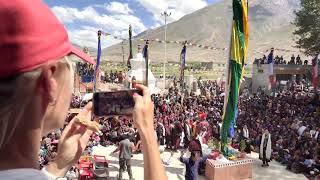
172,69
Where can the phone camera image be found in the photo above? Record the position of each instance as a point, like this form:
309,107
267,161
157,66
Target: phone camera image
114,103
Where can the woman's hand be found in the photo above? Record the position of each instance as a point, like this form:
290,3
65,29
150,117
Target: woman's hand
72,143
143,119
143,110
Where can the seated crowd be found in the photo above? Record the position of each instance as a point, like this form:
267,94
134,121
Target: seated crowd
292,117
114,77
85,69
280,60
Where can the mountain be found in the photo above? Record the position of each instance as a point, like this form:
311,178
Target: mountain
270,26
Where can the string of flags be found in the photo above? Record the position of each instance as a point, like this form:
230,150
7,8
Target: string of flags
115,37
276,49
284,50
194,44
168,42
183,42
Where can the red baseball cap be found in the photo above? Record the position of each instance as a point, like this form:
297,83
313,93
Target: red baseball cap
31,35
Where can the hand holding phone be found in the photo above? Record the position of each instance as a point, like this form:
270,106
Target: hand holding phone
114,103
143,121
143,111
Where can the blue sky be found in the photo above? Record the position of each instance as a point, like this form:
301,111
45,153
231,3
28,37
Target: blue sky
82,18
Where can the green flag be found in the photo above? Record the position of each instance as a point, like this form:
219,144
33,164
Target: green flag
238,55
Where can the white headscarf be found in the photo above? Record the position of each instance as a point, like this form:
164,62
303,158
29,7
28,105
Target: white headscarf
245,132
268,150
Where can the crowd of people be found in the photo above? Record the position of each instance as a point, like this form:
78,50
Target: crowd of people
280,60
292,118
85,69
114,77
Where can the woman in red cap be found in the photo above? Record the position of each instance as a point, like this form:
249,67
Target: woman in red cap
36,80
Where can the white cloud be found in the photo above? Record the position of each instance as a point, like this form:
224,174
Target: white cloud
119,22
178,8
65,15
68,14
86,35
119,8
85,22
156,25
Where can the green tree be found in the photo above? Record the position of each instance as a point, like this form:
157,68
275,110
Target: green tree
308,27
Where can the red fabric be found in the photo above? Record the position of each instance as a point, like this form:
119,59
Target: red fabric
83,161
164,108
204,124
134,84
85,174
177,143
191,123
85,165
204,138
168,130
31,35
98,158
203,116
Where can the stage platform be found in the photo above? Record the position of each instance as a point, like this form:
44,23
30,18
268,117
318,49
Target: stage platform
233,170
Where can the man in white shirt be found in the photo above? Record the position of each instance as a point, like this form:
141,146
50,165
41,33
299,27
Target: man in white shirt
301,128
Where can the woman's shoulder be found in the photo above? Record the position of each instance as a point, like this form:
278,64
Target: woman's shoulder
21,174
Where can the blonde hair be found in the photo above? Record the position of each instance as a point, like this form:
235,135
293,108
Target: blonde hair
15,95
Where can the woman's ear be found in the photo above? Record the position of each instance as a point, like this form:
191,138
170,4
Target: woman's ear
47,84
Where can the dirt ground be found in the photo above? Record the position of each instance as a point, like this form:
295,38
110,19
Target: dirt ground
176,170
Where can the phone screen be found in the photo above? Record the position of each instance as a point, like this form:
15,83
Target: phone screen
114,103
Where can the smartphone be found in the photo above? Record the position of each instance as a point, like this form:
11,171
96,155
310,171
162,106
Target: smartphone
114,103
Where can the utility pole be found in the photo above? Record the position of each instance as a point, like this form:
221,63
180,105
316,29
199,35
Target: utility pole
165,14
122,43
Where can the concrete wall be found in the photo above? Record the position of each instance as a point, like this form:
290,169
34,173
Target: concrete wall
260,77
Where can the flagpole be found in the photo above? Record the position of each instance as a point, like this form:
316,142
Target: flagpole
147,62
317,73
130,47
183,64
227,90
237,57
227,75
97,63
122,48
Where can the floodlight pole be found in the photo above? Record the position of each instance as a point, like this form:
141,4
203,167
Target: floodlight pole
165,14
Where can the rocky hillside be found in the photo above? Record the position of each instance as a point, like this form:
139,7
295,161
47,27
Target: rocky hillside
270,26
